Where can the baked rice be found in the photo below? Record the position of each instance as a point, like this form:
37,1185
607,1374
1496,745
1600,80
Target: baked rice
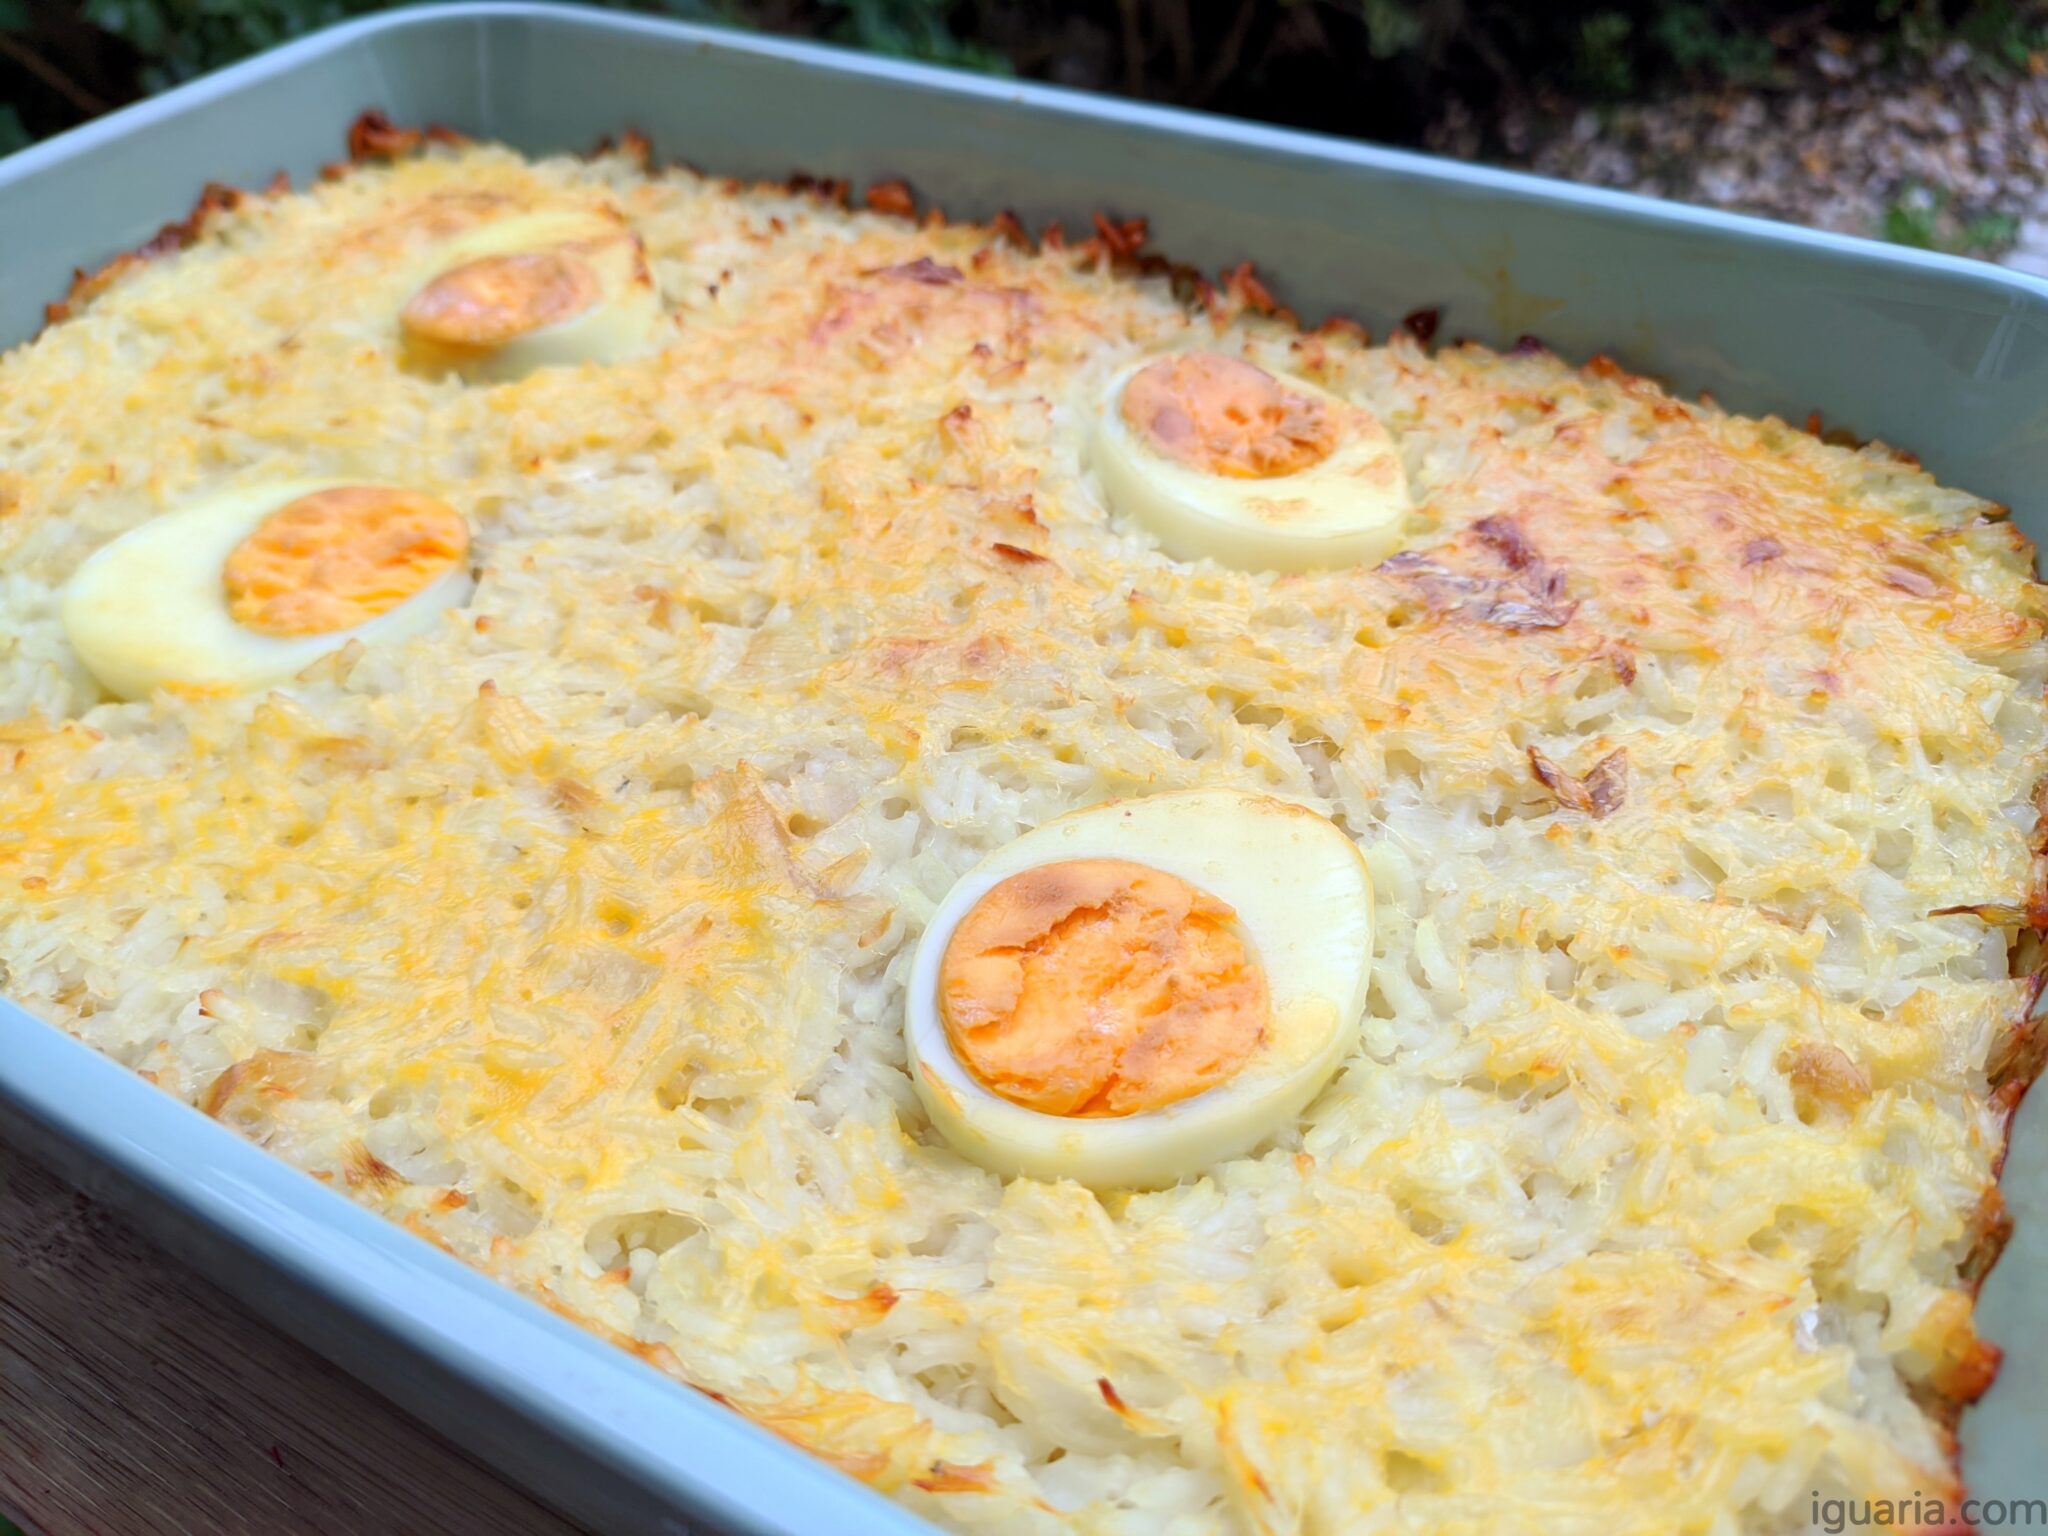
573,935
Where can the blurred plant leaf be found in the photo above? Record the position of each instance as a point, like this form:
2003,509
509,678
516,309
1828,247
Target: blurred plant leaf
1392,27
1603,60
912,29
1694,39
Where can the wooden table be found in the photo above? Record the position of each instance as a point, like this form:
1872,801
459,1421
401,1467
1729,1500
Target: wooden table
137,1399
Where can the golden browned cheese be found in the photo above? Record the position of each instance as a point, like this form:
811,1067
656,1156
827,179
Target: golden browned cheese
339,557
1694,759
1100,987
1224,416
492,300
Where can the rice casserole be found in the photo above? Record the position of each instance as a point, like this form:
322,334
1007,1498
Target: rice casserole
1693,759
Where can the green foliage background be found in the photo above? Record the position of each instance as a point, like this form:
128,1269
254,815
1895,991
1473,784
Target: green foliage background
1369,68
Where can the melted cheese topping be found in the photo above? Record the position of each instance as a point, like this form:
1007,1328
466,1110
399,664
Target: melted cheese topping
1100,987
487,302
1224,416
339,557
1685,750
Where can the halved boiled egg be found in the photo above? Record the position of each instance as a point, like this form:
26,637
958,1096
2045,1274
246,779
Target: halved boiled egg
250,587
533,290
1137,991
1219,458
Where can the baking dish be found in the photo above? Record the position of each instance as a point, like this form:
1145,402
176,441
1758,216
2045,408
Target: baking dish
1940,356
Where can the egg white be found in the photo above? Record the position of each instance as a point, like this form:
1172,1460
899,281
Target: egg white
1348,509
150,609
1303,899
622,324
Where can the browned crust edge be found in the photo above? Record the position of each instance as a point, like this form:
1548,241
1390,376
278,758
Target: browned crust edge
175,236
372,136
2018,1057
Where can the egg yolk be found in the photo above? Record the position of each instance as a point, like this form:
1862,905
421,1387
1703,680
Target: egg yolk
490,301
340,557
1100,987
1223,416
